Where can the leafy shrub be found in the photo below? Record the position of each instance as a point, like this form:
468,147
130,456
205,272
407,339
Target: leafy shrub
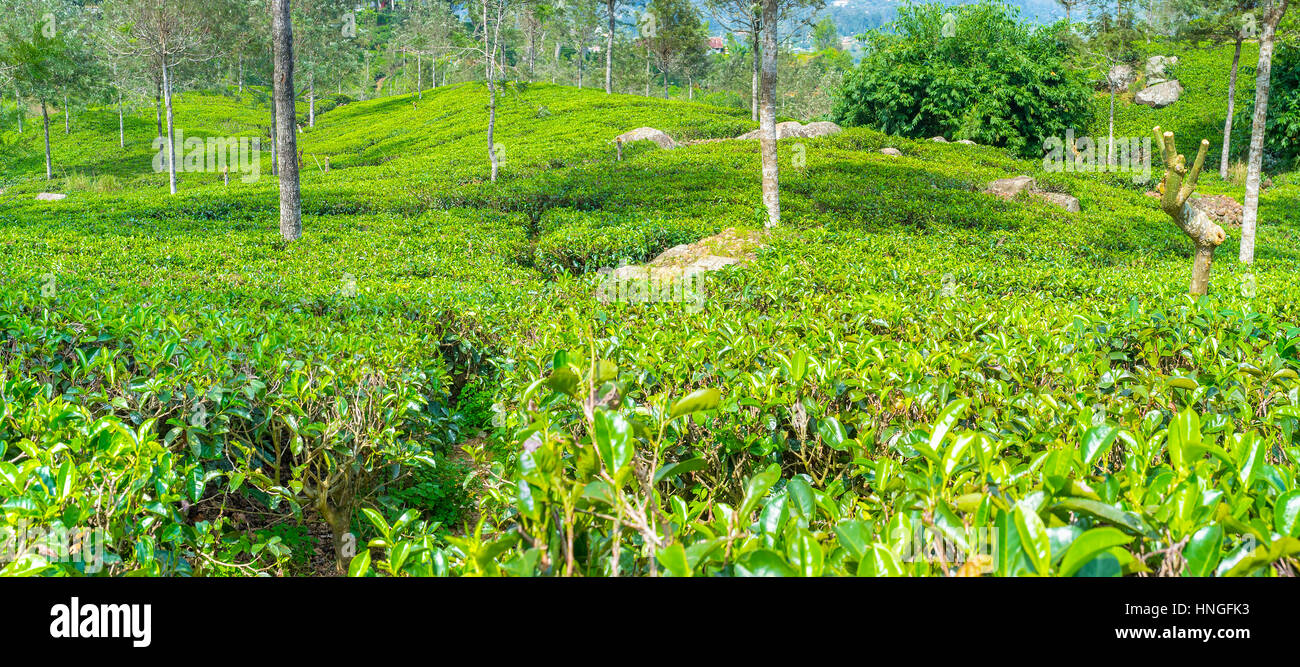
995,80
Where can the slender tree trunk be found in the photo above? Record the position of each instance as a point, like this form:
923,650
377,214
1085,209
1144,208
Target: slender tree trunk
767,117
241,74
754,83
286,140
556,67
45,116
1250,211
491,49
1232,104
157,107
581,52
66,128
311,100
532,41
690,86
121,127
419,75
609,49
1110,131
171,128
433,72
648,78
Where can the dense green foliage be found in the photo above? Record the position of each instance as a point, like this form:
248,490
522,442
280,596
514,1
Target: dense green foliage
975,73
905,355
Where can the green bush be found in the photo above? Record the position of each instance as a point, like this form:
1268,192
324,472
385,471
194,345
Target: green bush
986,77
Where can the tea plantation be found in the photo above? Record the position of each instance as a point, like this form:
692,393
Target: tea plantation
427,383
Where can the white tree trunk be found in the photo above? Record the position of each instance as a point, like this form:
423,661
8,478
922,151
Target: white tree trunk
1250,211
311,100
171,134
45,116
609,49
767,117
754,82
490,47
121,128
1232,104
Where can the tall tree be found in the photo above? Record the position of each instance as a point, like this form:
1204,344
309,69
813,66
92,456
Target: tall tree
767,117
1069,6
43,63
286,140
428,31
745,16
611,12
167,34
1218,22
678,35
488,43
1272,12
583,23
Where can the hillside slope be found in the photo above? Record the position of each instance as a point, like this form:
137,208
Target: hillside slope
425,304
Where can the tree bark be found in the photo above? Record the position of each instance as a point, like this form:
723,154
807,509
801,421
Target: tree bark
491,50
1232,104
171,131
1110,130
286,140
754,83
1250,211
66,128
419,75
45,116
609,49
121,127
157,107
1177,188
767,117
311,100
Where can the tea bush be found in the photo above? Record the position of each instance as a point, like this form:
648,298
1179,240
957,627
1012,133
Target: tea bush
906,357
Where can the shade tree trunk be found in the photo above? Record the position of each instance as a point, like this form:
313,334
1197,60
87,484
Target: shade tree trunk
1176,189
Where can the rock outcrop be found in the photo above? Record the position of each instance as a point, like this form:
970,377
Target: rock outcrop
1010,188
1160,95
659,137
787,130
821,128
